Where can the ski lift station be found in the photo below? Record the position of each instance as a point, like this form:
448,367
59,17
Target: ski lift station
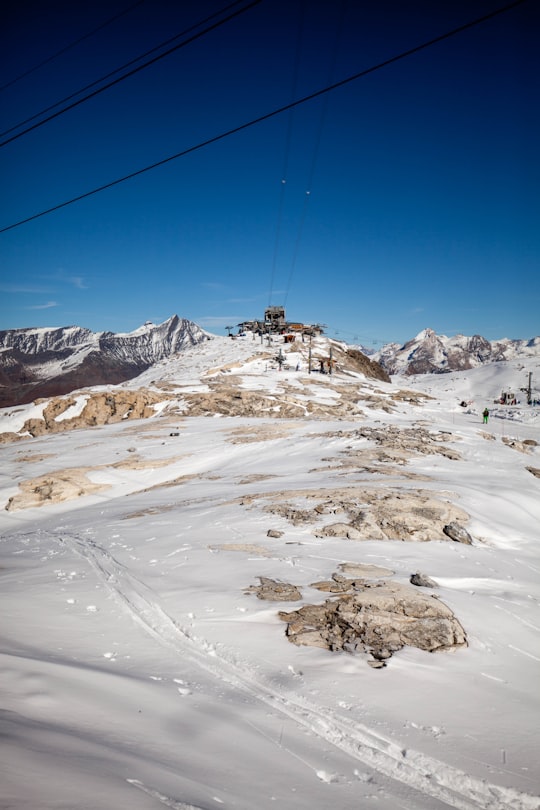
275,322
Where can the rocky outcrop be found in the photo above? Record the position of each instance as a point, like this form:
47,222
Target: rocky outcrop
355,360
274,591
379,618
367,614
525,446
54,487
101,408
457,533
372,514
422,580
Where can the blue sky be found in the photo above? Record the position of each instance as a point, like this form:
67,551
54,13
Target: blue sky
423,176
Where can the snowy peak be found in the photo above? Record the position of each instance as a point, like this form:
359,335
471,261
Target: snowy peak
429,353
48,362
150,343
34,341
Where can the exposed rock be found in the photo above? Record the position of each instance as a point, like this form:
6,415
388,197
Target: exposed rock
73,482
372,513
233,402
422,581
534,470
328,508
338,584
339,530
290,404
274,591
413,397
8,437
378,618
360,363
250,548
254,478
456,532
411,441
62,485
523,447
274,533
393,446
365,570
295,516
101,408
260,432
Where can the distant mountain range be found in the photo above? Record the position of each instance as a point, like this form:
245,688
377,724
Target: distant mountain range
429,353
45,362
41,363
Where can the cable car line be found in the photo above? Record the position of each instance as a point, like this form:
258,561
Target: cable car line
267,116
114,82
287,149
315,155
71,45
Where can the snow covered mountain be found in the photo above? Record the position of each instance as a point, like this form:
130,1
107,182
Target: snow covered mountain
202,379
256,597
49,362
429,353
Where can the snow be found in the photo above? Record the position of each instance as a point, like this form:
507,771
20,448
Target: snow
73,410
137,672
12,419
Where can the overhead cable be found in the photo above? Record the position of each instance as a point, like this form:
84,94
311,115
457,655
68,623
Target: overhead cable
287,150
137,69
315,155
71,45
267,116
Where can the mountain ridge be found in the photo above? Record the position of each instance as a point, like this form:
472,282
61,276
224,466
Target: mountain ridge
430,353
45,362
42,362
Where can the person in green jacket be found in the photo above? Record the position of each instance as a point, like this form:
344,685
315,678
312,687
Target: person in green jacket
486,416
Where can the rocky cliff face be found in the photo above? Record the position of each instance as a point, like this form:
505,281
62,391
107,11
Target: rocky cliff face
50,362
429,353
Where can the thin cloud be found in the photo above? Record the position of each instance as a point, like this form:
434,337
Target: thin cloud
213,285
48,305
77,282
63,278
16,288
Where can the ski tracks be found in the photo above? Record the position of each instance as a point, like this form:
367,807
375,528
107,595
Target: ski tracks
166,800
423,773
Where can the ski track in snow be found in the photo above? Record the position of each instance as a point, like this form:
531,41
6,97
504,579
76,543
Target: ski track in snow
418,771
166,800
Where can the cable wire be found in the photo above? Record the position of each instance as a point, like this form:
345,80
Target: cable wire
315,155
131,72
72,45
267,116
288,138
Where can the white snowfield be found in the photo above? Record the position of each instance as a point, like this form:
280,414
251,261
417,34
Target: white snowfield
138,672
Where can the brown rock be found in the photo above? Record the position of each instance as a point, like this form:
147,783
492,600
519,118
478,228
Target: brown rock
456,532
275,591
380,618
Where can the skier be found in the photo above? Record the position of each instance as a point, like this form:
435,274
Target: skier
486,416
